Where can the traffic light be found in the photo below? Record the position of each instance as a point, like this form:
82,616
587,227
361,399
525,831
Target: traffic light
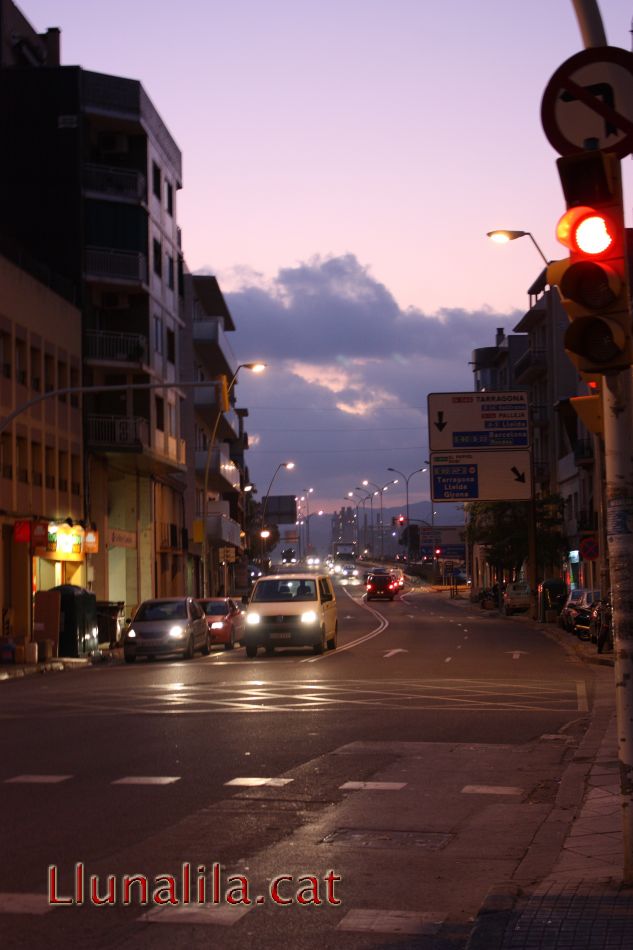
223,393
438,552
593,281
401,520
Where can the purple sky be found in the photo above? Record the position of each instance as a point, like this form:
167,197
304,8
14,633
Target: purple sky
343,160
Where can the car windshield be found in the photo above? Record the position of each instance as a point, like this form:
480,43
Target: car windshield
284,589
162,610
214,607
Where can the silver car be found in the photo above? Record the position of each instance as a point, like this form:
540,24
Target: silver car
168,625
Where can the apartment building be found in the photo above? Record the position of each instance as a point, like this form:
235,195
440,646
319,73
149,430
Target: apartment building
44,538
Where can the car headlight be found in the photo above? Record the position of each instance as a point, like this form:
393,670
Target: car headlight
252,619
131,634
177,631
355,573
217,625
308,617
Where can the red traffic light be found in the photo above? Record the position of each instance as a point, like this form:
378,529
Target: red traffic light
401,519
438,551
586,231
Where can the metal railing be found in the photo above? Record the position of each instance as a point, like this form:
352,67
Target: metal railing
116,265
115,347
119,431
109,180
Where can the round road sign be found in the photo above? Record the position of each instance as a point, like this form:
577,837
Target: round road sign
588,549
590,98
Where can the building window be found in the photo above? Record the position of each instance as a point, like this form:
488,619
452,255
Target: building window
74,384
6,455
5,355
36,463
170,272
171,346
62,379
22,460
158,258
20,362
36,369
63,471
75,475
173,430
49,458
158,334
160,413
156,180
169,198
49,374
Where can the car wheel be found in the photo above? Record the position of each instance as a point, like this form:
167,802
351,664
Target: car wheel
130,658
251,650
333,641
206,649
188,654
318,647
230,644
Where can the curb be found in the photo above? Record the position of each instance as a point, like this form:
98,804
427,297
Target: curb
493,916
59,665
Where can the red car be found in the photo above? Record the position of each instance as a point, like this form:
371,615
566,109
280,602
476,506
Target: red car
382,585
224,620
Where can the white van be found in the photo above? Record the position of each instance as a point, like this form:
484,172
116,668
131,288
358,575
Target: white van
291,610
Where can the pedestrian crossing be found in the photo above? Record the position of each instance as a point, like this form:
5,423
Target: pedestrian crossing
280,696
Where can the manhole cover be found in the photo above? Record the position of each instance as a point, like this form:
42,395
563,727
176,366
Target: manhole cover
371,838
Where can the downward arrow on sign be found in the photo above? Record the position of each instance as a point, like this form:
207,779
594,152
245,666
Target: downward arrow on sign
440,424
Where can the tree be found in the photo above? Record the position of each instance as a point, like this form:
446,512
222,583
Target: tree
502,528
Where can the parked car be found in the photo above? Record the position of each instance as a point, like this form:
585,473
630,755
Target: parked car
516,596
225,620
167,625
577,608
291,610
382,586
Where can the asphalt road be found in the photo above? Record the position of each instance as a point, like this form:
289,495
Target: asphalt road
466,722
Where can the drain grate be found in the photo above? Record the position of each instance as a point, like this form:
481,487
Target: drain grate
373,838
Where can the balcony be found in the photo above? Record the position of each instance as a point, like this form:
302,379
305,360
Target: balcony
212,345
224,474
104,346
116,267
130,438
223,530
583,452
530,366
121,183
206,404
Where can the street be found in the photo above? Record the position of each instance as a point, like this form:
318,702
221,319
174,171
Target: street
381,788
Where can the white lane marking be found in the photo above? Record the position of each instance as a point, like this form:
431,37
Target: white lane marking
254,781
24,904
383,624
448,659
491,790
37,779
516,654
459,646
581,693
393,653
391,921
147,780
373,786
224,914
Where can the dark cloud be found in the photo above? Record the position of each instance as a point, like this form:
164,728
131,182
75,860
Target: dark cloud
349,373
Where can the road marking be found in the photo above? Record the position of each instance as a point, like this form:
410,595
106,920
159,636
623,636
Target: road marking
516,653
224,914
37,779
391,921
373,786
459,646
382,625
393,653
147,780
24,904
581,693
257,780
491,790
448,659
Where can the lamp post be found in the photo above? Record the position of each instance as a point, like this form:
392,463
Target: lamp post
308,492
502,237
367,495
358,501
380,491
255,368
406,482
263,533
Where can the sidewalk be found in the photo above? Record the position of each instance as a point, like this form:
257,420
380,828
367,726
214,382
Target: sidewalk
581,903
57,664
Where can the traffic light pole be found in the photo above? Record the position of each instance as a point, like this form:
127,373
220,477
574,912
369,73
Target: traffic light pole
618,425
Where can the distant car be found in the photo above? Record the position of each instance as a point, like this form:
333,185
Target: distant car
381,586
254,571
398,573
313,561
167,625
577,607
225,620
516,596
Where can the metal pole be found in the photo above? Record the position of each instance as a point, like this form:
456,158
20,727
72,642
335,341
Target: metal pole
618,425
590,23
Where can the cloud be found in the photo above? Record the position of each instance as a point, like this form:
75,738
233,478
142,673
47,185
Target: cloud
349,373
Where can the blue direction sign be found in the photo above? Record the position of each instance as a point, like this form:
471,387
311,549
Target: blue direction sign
456,552
488,475
454,481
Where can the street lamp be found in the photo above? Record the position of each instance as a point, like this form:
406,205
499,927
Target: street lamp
264,533
255,368
502,237
406,481
308,492
380,491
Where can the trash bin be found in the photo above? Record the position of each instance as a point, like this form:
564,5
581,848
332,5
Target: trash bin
78,631
110,621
